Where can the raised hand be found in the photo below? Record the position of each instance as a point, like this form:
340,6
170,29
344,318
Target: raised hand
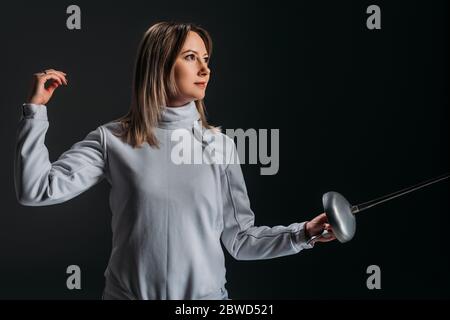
39,93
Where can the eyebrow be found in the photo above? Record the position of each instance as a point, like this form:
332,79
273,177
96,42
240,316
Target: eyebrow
193,51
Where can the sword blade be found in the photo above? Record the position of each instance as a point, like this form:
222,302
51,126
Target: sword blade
369,204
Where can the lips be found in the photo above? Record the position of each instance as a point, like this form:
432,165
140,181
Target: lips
201,84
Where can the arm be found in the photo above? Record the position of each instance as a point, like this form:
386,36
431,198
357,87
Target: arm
241,238
38,182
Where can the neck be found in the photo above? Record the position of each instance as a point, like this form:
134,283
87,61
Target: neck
175,103
182,116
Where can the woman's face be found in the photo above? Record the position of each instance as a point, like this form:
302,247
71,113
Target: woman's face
191,71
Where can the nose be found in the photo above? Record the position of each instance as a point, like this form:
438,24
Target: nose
204,70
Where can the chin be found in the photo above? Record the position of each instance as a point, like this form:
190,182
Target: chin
198,97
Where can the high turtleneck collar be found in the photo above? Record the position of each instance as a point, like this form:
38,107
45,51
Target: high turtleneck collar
179,117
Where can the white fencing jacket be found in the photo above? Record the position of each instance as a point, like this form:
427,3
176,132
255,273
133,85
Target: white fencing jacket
168,218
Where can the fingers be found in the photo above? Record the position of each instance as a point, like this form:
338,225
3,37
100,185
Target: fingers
321,218
60,73
59,76
325,237
328,237
41,77
55,71
49,76
40,91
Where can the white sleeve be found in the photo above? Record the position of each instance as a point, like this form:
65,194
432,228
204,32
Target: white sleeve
244,240
38,182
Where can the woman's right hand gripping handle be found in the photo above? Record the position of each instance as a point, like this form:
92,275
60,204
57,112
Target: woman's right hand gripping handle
39,93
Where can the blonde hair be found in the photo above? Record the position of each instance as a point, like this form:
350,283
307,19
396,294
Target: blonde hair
154,81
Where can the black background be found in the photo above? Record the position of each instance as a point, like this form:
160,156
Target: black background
363,112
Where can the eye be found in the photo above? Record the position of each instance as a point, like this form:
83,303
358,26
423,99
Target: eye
191,57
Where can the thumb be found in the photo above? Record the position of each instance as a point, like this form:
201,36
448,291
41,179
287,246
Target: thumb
51,88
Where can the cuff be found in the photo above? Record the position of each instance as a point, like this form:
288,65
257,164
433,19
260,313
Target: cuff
34,111
299,239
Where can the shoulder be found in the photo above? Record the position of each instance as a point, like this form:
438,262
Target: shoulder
111,130
111,126
108,132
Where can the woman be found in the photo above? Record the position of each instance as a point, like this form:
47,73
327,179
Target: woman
168,218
